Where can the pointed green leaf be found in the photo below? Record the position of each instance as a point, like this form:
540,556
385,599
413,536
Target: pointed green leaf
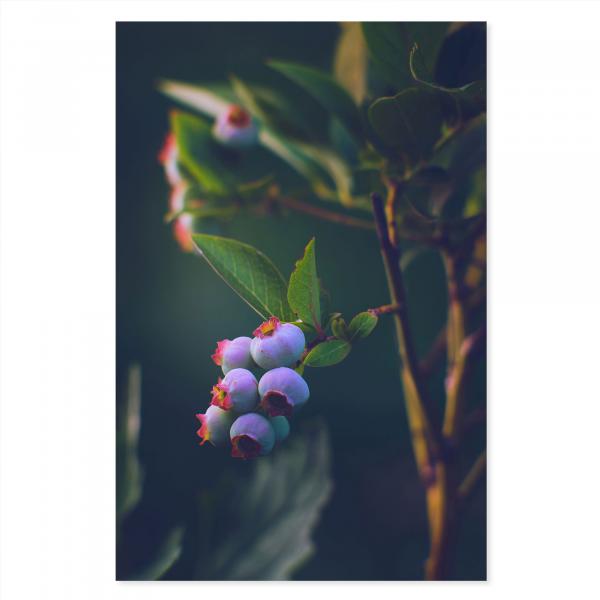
326,91
362,325
303,290
201,98
328,353
249,273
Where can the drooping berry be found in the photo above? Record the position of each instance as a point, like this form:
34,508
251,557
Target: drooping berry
233,354
235,127
251,435
215,426
277,344
282,391
281,427
237,391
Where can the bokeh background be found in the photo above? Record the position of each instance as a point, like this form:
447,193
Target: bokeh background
171,310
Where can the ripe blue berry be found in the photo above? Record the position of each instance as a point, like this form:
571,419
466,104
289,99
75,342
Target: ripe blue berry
251,435
215,427
235,127
282,391
237,391
277,344
233,354
281,426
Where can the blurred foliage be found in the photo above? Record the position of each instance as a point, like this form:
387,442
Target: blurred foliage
333,117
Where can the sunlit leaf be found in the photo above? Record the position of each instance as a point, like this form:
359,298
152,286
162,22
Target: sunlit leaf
249,273
350,62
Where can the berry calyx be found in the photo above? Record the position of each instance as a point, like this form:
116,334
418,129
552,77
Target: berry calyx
237,391
277,344
233,354
215,424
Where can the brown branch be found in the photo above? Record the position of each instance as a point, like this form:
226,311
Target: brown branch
425,437
323,213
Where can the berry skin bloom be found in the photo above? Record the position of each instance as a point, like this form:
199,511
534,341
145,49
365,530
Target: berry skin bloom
215,426
233,354
235,127
237,391
277,344
281,426
251,435
282,391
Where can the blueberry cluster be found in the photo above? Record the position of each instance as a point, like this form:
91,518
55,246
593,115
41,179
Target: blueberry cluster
250,414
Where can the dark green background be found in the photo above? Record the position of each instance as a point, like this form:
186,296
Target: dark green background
171,309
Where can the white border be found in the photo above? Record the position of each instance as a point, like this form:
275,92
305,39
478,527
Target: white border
57,283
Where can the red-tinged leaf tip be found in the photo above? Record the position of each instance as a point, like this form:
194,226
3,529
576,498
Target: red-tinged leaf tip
168,150
220,396
218,355
238,117
267,328
203,431
277,404
245,446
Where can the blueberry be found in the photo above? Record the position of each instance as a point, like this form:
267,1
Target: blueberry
281,426
235,127
251,435
233,354
215,427
282,391
277,344
237,391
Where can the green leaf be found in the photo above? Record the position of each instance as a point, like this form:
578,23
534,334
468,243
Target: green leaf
468,100
165,557
350,62
303,290
410,123
362,325
328,353
197,150
326,91
389,45
129,471
271,515
199,98
249,273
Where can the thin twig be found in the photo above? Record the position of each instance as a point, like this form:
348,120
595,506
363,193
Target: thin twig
323,213
386,309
